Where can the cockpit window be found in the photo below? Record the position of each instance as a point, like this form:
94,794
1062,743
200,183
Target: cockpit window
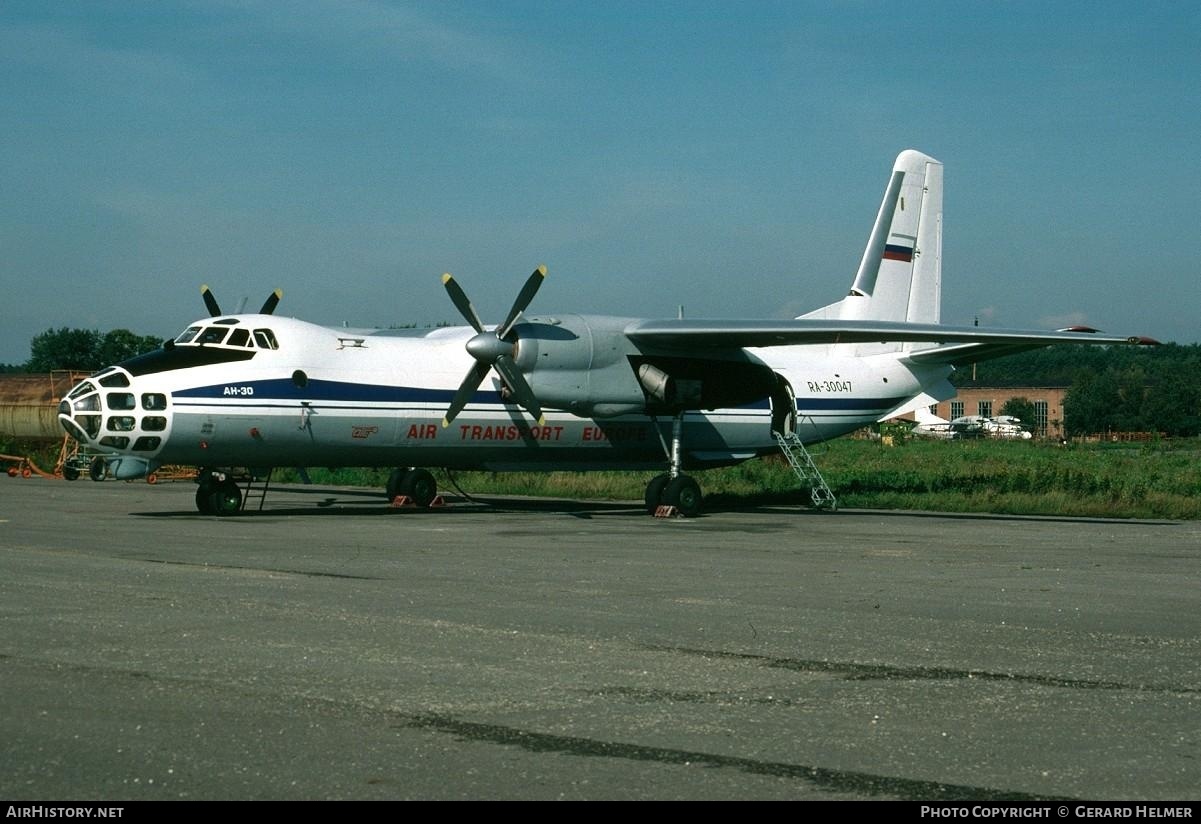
221,335
213,334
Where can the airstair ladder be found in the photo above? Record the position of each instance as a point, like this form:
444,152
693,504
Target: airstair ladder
806,470
257,487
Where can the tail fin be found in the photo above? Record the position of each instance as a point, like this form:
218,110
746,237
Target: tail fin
900,275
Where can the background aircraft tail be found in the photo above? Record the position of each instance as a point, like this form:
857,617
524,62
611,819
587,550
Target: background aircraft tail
900,275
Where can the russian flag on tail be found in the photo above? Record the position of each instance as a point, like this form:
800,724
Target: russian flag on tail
902,251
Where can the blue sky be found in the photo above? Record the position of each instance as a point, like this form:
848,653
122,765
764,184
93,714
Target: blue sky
729,157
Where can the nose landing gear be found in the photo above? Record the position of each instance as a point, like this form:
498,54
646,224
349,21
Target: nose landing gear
217,494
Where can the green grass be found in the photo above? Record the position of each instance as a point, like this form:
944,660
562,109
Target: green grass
1155,481
1160,480
1021,478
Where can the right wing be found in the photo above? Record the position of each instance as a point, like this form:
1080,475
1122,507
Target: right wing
959,344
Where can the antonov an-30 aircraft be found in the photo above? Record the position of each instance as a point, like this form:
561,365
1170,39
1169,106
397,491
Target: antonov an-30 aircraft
257,390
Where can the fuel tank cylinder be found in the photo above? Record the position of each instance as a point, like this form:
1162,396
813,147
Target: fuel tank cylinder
29,404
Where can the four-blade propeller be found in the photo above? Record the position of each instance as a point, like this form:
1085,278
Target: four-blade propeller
214,308
494,350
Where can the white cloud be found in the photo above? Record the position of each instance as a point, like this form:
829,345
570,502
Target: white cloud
396,32
143,74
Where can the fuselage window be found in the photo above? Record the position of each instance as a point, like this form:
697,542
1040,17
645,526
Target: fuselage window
154,400
239,337
265,339
213,334
153,423
120,400
89,404
115,441
188,334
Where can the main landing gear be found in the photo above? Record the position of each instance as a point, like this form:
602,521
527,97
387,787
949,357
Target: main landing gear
673,488
417,485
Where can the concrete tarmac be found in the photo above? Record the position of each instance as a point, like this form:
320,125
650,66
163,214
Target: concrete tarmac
331,647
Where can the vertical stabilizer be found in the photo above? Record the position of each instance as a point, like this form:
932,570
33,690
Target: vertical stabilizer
900,275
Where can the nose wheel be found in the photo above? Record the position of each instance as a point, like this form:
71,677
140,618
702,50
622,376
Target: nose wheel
217,496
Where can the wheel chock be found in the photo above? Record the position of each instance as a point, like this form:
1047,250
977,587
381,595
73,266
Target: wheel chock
403,502
667,511
438,502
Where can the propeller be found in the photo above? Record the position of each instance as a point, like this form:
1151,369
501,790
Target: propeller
494,350
271,302
210,302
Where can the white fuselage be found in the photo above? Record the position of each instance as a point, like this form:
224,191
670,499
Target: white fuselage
296,394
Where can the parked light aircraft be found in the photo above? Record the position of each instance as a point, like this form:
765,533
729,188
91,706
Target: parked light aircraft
555,391
1005,427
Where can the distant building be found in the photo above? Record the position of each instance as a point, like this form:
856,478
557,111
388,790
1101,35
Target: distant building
975,399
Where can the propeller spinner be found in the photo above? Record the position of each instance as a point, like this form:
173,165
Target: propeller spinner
210,302
494,350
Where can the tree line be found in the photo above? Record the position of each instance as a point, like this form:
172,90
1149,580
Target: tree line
85,350
1110,388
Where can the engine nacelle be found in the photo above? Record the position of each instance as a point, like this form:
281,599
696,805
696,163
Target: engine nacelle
580,364
587,365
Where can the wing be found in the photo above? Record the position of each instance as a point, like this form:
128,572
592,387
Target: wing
956,344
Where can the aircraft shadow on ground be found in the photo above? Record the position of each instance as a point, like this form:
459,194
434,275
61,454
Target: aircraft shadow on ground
341,502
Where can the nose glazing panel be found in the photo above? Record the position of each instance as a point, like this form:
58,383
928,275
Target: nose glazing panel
92,416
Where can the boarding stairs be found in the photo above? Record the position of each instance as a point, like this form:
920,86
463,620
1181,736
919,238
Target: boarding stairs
806,470
257,485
